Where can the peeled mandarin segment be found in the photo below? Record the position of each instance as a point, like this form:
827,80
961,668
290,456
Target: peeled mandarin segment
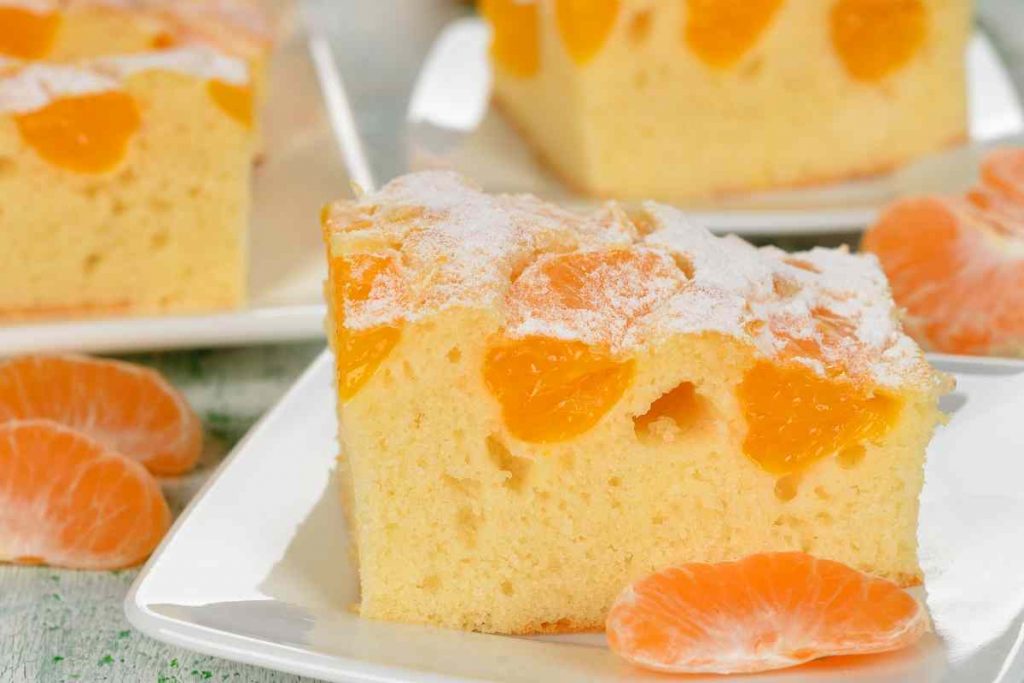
25,34
551,389
943,268
795,417
875,38
359,351
86,133
68,501
775,609
515,45
585,25
127,408
720,32
1003,171
234,100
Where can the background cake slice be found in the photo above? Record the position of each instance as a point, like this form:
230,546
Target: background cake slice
684,99
124,185
537,407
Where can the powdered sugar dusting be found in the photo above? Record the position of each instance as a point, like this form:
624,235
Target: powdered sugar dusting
34,86
29,87
201,62
596,279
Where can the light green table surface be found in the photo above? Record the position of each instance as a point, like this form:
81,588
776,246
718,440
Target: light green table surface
69,626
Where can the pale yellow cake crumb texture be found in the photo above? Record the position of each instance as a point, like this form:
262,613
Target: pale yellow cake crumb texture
164,230
459,524
646,117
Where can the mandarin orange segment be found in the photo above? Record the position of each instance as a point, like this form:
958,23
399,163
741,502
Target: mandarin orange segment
85,133
608,289
585,25
767,611
720,32
1002,170
552,389
359,351
234,100
875,38
958,274
127,408
515,44
66,500
25,34
795,417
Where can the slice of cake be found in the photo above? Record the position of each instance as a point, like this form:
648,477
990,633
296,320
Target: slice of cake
124,185
537,406
686,98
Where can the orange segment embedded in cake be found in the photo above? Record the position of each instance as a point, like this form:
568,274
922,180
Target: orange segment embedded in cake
359,352
767,611
585,25
552,389
875,38
84,133
25,34
127,408
515,45
234,100
720,32
796,417
68,501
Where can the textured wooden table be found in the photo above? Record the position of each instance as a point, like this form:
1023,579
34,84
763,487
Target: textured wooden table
69,626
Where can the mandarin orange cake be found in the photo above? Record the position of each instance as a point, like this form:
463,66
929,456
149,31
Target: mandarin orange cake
537,407
687,98
124,184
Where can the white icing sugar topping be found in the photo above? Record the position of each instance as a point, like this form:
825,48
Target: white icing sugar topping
34,85
614,280
199,61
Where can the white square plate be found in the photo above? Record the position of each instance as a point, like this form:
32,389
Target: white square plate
257,568
451,124
301,170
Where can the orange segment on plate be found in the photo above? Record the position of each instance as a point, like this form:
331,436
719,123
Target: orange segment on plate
957,264
128,409
234,100
875,38
1002,171
585,26
796,417
68,501
720,32
553,389
84,133
515,45
767,611
25,34
359,352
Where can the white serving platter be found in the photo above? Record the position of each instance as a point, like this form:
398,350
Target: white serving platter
451,123
302,169
257,568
